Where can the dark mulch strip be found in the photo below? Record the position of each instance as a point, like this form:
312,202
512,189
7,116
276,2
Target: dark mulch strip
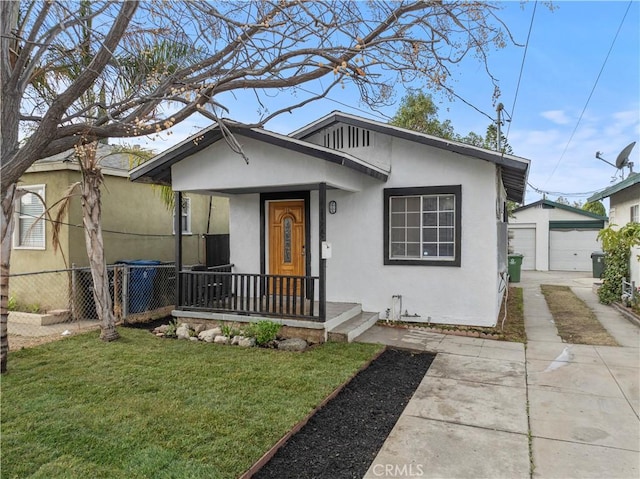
342,439
149,325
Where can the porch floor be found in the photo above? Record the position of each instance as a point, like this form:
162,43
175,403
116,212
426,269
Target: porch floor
336,313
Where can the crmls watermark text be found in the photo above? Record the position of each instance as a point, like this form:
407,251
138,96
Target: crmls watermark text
398,470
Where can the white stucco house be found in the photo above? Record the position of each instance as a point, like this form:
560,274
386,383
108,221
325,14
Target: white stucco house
624,207
348,215
555,237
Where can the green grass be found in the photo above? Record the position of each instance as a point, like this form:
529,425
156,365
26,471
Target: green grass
143,407
576,322
514,325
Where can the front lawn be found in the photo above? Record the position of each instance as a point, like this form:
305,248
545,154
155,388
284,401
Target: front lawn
144,407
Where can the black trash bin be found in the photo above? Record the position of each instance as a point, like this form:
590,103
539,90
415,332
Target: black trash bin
597,262
141,276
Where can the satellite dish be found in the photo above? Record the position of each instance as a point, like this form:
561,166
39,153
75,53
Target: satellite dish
623,157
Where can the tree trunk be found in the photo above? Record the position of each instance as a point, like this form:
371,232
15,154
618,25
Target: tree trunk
5,256
91,213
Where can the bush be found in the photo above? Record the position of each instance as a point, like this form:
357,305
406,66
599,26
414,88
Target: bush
264,331
617,248
14,305
171,329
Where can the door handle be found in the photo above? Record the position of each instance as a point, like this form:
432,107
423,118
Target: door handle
303,250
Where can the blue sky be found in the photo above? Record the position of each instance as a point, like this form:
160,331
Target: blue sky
568,50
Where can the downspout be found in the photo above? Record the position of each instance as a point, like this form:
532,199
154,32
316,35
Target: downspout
177,225
209,217
322,217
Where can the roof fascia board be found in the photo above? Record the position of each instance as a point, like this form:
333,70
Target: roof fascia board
552,204
567,224
611,190
212,135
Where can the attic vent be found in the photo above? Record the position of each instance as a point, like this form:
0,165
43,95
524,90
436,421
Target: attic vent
334,138
355,137
358,137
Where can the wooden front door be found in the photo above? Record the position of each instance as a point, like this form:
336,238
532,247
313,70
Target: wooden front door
286,238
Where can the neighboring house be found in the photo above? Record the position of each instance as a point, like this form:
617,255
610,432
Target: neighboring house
136,223
555,237
624,207
403,224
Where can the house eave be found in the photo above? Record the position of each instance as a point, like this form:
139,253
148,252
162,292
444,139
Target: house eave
631,180
514,170
544,203
158,169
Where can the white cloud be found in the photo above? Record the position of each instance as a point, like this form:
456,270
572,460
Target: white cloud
556,116
578,170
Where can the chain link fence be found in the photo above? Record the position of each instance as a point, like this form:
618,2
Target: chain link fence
49,302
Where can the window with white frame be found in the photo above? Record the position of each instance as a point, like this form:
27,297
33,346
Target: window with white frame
635,214
422,226
30,225
185,221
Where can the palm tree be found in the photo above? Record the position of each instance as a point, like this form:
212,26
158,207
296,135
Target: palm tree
162,57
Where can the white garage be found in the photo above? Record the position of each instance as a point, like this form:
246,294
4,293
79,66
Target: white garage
555,236
523,241
570,250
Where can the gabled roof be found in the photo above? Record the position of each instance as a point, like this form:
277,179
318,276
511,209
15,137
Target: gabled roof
514,169
109,156
552,204
632,179
158,169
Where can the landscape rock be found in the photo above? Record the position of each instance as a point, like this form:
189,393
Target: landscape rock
208,335
247,342
183,331
220,339
194,338
199,328
293,344
161,329
236,340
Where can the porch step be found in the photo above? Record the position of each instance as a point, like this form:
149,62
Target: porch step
354,327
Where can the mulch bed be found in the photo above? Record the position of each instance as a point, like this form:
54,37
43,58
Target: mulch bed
343,438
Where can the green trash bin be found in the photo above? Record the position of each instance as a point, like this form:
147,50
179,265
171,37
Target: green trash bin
515,265
597,261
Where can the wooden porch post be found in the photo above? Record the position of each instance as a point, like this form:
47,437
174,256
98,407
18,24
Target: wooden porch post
322,216
177,226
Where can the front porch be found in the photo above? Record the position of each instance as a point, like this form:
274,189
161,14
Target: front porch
217,293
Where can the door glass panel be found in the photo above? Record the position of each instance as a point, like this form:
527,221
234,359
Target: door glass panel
287,240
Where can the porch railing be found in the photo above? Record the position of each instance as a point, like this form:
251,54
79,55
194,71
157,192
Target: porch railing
218,289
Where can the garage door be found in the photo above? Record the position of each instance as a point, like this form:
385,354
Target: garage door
523,241
570,250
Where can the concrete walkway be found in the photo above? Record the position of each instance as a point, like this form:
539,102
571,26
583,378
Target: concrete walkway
482,400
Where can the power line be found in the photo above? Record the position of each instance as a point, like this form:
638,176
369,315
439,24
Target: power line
524,56
38,218
592,90
561,193
378,114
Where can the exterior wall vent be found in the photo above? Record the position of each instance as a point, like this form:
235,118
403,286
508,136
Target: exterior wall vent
346,136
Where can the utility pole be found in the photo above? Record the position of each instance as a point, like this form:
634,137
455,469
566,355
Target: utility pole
499,109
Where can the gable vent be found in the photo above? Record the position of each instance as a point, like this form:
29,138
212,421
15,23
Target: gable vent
346,136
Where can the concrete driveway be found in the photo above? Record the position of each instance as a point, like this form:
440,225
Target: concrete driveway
490,409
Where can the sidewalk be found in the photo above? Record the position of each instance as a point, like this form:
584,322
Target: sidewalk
584,401
468,418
